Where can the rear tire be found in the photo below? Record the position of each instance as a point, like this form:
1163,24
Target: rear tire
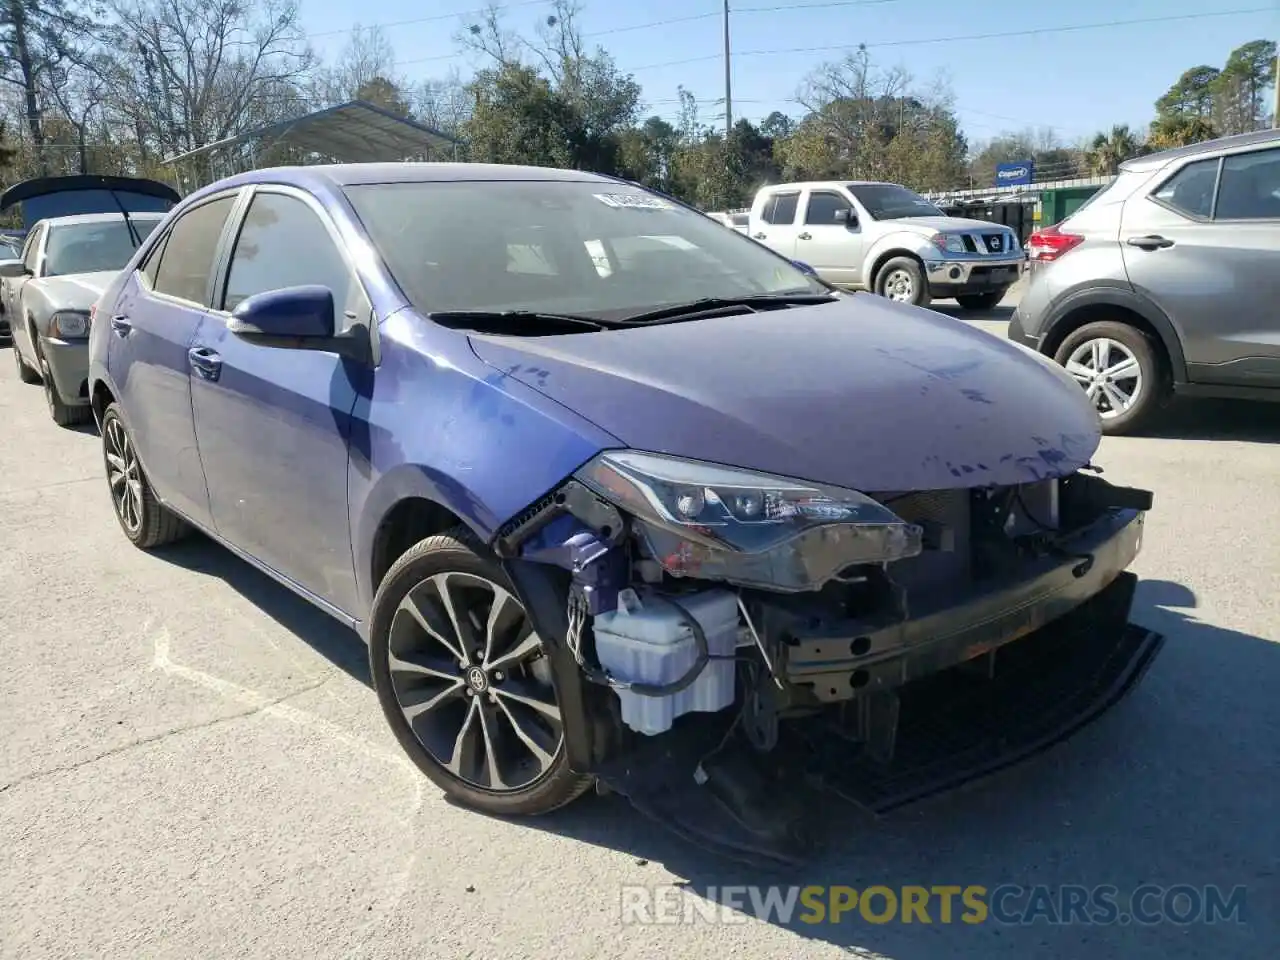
144,519
25,373
489,734
1130,395
902,280
980,301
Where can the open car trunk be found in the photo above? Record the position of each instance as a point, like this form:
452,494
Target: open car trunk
43,197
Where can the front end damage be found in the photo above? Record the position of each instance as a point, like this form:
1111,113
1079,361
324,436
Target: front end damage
729,644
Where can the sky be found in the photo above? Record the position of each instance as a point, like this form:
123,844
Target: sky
1076,82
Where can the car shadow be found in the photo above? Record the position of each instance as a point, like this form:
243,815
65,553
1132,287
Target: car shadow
1195,419
1173,786
998,314
329,638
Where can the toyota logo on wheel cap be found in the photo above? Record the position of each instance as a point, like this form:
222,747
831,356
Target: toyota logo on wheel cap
477,680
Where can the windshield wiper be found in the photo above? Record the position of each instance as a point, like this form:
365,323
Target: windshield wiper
709,306
527,323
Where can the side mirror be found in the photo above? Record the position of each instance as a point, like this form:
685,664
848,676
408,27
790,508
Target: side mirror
297,318
12,268
850,219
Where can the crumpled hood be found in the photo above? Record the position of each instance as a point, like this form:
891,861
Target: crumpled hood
76,291
861,392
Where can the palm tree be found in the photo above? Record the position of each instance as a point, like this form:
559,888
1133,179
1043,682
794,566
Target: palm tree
1108,151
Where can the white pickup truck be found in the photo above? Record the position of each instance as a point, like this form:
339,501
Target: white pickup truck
887,239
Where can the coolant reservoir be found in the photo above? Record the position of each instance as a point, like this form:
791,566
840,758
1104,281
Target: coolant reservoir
646,640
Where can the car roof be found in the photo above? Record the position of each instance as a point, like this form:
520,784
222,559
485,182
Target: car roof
1154,160
353,174
79,218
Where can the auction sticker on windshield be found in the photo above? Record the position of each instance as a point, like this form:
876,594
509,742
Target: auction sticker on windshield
632,201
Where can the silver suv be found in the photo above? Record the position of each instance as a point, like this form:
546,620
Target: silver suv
1167,280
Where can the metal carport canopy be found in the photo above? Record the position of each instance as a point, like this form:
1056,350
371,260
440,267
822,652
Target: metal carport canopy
353,132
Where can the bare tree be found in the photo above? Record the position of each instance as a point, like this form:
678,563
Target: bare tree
443,104
197,71
36,38
367,56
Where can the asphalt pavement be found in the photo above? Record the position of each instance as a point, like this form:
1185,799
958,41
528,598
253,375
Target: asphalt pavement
192,763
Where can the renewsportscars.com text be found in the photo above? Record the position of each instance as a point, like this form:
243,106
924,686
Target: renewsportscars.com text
1009,904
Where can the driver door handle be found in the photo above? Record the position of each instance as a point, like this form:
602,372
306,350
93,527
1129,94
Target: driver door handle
205,362
758,236
121,326
805,236
1149,243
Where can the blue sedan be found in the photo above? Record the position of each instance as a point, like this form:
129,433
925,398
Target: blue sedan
572,458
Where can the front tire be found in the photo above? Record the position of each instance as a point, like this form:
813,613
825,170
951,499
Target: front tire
144,519
902,280
1119,369
63,414
464,681
980,301
25,373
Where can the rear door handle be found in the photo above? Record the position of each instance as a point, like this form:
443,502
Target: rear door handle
1149,243
758,236
205,362
121,325
805,236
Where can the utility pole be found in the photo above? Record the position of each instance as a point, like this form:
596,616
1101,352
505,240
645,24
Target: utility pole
728,77
1275,95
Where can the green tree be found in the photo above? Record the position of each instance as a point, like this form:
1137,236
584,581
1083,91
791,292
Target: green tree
1109,150
1239,89
384,93
519,118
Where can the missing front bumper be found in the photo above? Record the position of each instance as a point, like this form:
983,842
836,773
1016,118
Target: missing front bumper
952,728
836,668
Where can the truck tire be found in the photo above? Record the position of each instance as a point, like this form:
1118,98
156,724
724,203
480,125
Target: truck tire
902,280
1137,384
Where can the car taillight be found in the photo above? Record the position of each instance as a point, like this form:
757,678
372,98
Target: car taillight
1049,244
93,312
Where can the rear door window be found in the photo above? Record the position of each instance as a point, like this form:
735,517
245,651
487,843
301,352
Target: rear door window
780,209
187,261
1250,187
1190,190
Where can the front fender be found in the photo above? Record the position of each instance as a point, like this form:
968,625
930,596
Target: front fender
441,425
896,243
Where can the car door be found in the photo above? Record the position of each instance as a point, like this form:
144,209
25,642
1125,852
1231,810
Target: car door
778,228
826,242
1244,348
153,321
1191,245
272,424
18,329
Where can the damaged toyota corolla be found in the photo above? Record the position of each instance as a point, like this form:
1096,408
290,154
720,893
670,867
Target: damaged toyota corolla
621,498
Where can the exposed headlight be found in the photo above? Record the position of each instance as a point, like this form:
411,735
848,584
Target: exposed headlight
722,523
69,324
948,242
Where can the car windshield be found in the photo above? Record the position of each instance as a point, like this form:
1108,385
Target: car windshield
888,201
91,247
595,249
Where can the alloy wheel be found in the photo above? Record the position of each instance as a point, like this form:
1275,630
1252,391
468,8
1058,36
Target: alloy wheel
899,286
1109,373
123,475
473,683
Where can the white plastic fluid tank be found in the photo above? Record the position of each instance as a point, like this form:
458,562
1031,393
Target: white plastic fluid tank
646,640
